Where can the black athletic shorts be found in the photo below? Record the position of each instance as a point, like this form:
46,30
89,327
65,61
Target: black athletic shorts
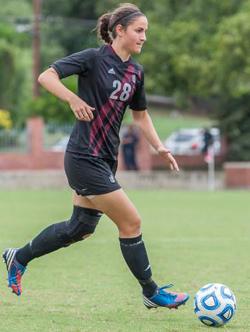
90,175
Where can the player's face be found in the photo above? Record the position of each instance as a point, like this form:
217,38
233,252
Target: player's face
135,35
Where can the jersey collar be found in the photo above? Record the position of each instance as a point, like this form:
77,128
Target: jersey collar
112,51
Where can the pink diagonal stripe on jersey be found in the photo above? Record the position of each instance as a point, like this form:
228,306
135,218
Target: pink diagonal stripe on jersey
115,114
104,133
106,108
98,122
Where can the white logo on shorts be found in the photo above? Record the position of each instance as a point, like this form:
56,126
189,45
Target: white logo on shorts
82,191
111,178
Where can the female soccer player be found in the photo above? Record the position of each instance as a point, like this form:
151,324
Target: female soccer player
109,80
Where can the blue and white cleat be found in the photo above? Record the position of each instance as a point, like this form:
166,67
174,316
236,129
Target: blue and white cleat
161,298
15,270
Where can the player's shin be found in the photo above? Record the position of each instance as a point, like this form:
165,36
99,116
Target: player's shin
135,255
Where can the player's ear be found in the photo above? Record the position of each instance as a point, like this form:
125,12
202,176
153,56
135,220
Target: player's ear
119,30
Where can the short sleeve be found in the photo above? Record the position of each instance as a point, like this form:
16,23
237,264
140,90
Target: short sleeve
139,102
75,64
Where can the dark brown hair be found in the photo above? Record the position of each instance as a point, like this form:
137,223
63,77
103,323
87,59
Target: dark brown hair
125,14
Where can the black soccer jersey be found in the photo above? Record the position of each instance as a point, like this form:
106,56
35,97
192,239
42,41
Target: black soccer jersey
109,85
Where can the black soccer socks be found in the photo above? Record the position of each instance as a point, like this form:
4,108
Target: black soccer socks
82,223
135,255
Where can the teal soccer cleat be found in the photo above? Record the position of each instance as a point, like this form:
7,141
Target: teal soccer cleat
161,298
15,270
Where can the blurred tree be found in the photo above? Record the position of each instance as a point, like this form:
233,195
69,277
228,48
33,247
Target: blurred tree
201,53
5,120
15,83
181,35
15,9
74,8
50,107
16,22
15,56
232,82
70,24
8,69
67,25
102,6
195,50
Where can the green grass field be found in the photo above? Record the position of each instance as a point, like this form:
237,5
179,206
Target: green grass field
192,238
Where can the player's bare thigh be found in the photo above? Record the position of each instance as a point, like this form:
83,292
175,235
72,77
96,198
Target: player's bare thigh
118,207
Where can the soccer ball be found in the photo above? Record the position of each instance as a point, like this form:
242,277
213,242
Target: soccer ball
214,304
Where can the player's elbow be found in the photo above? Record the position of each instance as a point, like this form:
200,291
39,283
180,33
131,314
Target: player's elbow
45,76
42,78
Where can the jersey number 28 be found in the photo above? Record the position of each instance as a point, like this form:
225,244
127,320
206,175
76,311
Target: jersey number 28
121,91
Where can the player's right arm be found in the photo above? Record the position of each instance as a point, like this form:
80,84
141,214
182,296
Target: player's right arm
50,80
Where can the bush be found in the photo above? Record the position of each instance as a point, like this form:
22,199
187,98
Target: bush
5,120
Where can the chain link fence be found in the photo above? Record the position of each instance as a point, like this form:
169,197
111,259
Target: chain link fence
56,136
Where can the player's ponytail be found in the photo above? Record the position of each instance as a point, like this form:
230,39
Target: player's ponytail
103,28
125,14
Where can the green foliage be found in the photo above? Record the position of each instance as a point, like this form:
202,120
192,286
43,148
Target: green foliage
182,37
5,120
15,57
13,9
200,49
16,80
231,56
67,41
232,83
50,107
181,56
74,8
68,24
196,50
7,32
16,21
8,68
234,117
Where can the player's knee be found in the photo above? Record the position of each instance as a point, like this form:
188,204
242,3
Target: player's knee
136,225
132,227
81,225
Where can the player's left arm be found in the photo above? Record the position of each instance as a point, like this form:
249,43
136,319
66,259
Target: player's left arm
143,120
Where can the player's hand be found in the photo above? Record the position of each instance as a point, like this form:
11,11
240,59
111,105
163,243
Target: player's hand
166,154
81,109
